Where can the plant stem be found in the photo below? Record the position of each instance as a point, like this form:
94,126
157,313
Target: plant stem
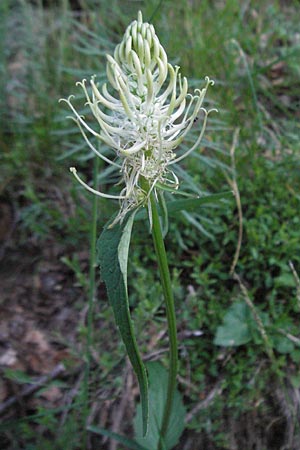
92,271
170,310
92,289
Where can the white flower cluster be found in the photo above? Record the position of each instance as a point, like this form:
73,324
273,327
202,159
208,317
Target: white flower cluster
146,120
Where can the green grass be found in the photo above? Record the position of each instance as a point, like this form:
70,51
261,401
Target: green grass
251,50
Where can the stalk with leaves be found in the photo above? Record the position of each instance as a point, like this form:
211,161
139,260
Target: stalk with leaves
143,116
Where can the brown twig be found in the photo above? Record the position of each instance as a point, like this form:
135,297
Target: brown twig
289,336
69,398
260,325
297,281
217,390
188,384
119,411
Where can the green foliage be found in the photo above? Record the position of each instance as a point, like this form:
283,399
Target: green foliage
257,84
235,330
129,443
158,385
113,247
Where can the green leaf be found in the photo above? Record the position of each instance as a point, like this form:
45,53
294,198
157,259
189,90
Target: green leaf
295,379
236,327
285,280
113,247
283,345
129,443
189,204
295,355
172,190
158,384
18,376
164,213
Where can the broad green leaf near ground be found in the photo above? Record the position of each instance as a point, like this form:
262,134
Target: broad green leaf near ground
158,383
235,329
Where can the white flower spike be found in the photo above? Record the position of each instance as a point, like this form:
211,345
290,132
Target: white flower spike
147,118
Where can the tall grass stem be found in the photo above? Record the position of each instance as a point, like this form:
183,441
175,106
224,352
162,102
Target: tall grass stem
92,288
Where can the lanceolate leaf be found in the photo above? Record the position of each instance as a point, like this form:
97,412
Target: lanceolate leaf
113,246
190,204
164,213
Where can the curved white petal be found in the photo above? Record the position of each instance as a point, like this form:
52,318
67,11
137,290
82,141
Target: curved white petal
100,194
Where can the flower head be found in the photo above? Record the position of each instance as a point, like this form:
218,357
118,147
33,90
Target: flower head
145,119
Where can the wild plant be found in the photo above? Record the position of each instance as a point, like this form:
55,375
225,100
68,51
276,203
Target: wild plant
143,115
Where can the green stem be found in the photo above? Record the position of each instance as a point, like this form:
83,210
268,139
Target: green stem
92,289
92,272
170,310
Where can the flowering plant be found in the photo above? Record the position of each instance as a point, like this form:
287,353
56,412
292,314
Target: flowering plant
143,117
146,120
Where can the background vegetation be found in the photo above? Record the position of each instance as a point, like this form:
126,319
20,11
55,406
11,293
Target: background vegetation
238,326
